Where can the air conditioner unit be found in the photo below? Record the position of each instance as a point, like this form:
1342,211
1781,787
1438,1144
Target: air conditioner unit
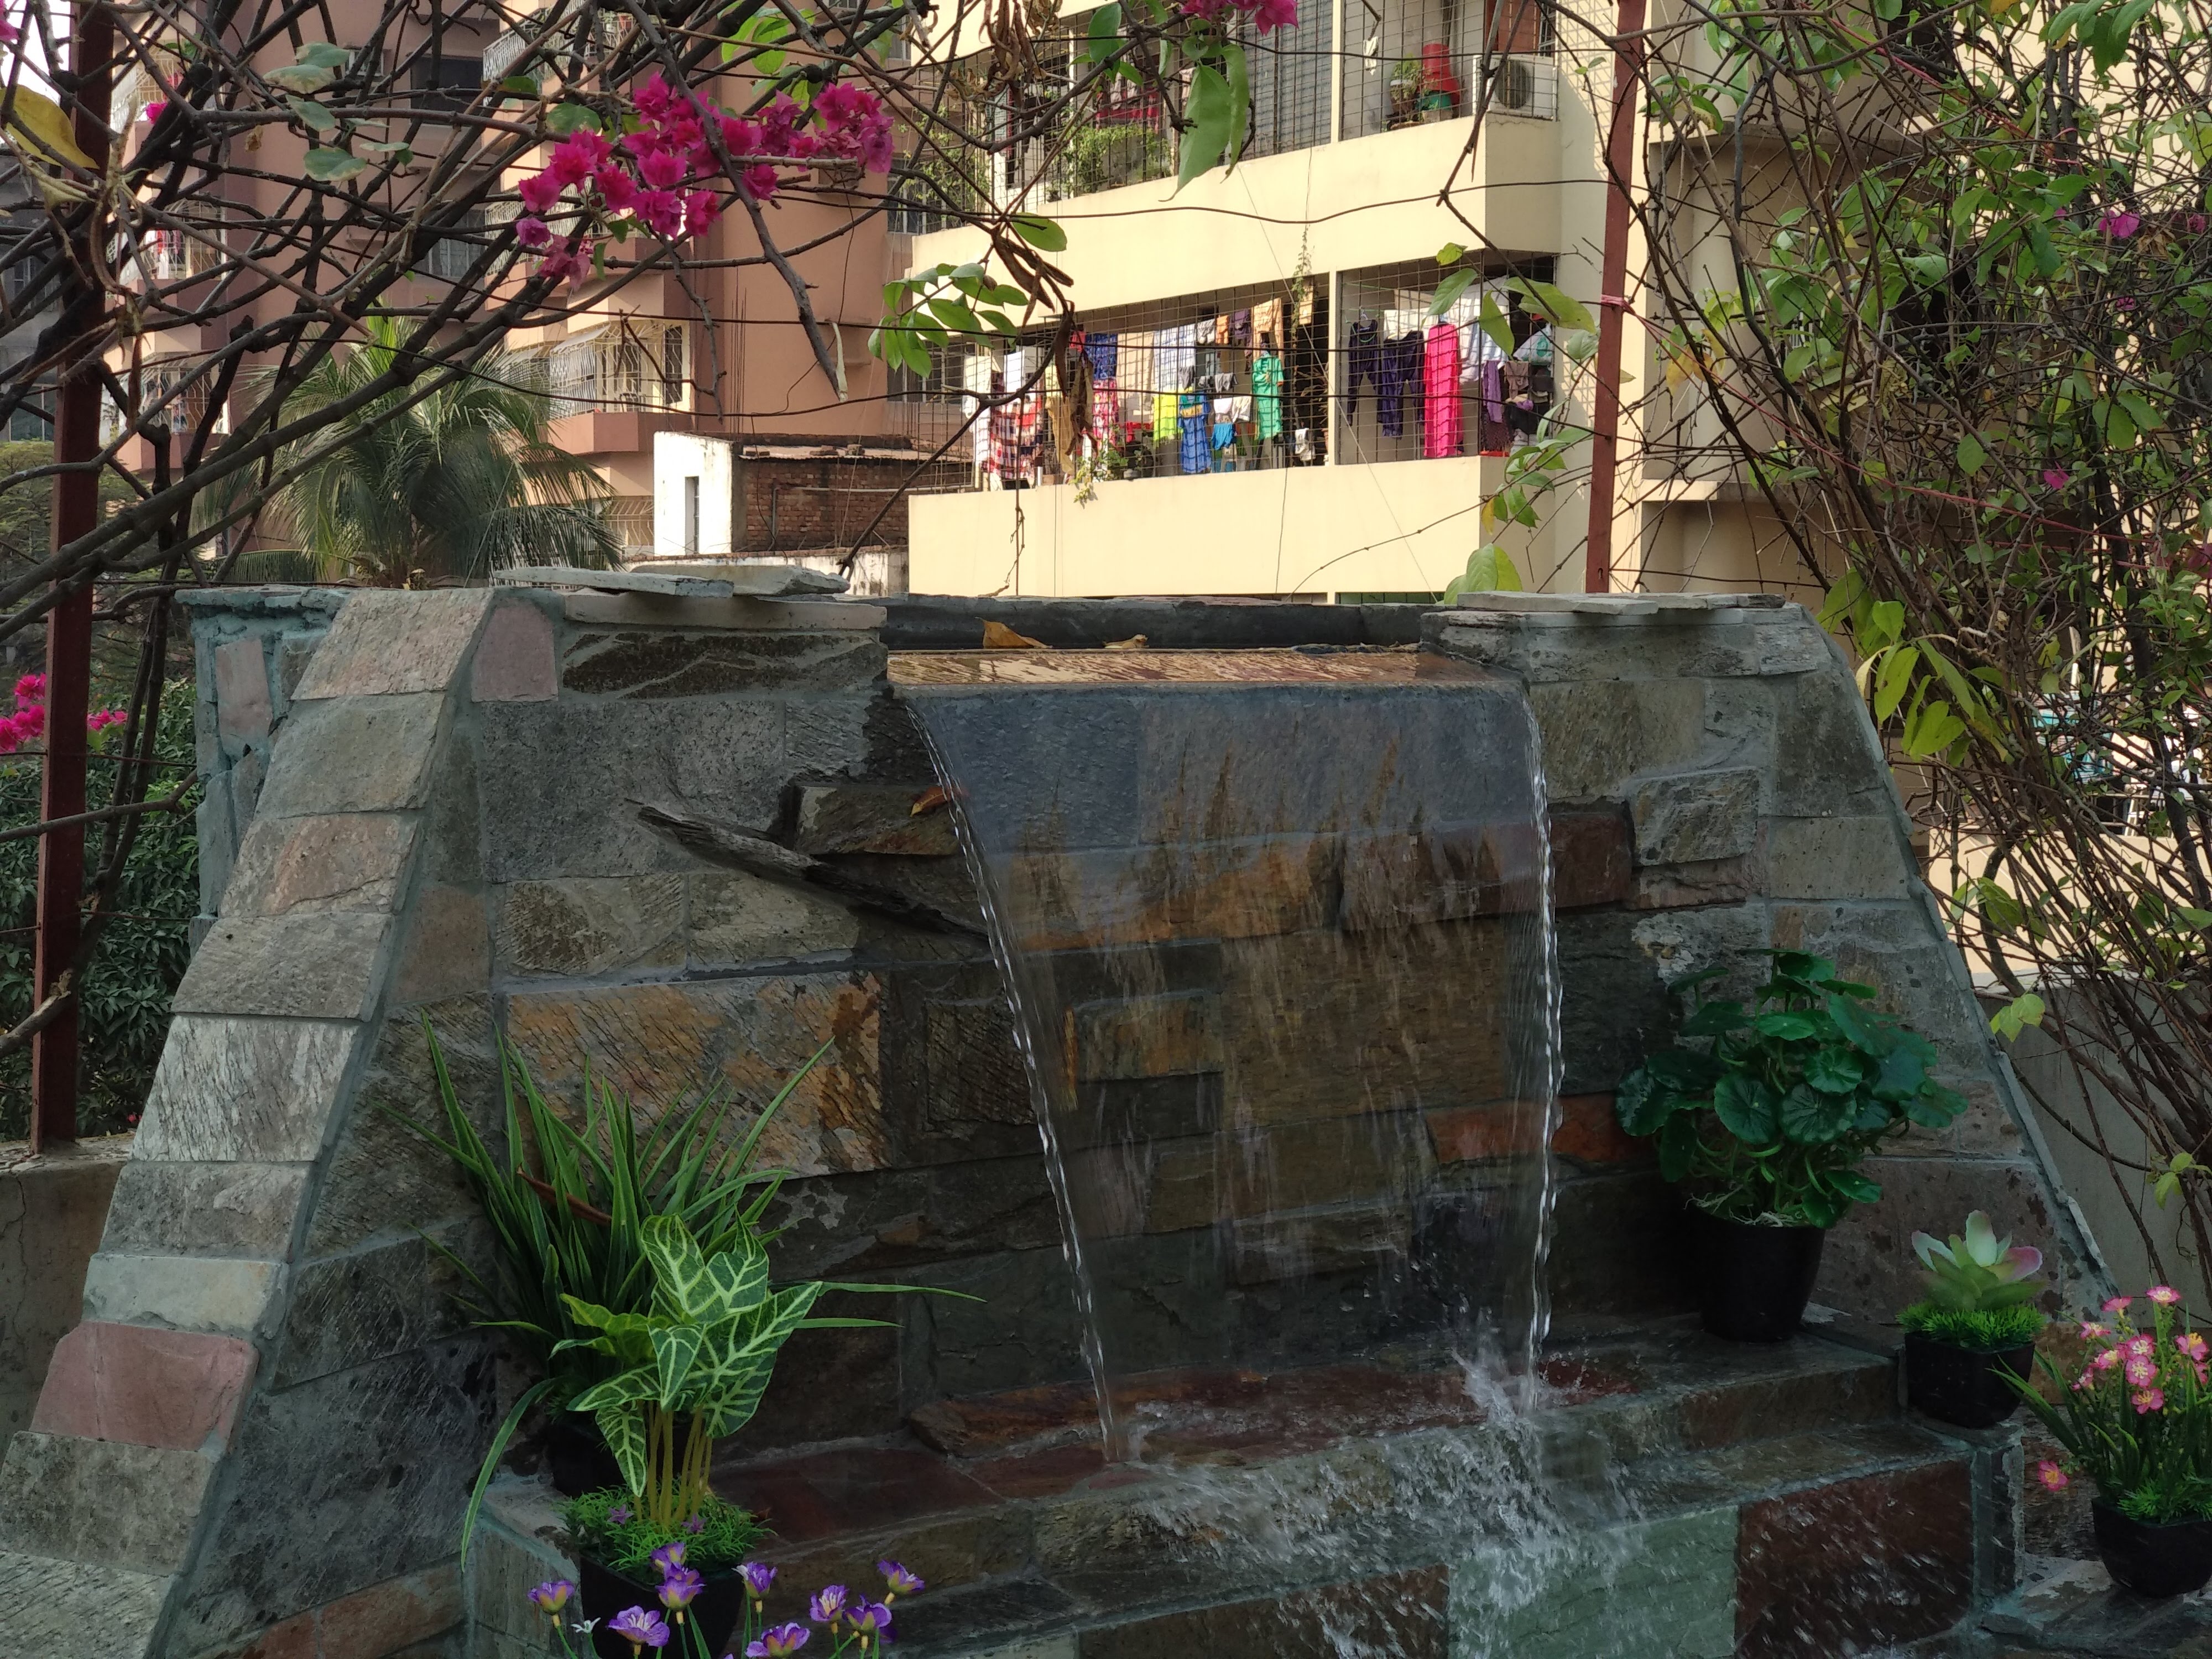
1513,86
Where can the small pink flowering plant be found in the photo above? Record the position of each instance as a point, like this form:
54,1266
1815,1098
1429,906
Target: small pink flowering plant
2138,1419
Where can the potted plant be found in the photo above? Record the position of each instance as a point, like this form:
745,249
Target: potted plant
2138,1423
687,1371
1765,1129
1973,1333
850,1623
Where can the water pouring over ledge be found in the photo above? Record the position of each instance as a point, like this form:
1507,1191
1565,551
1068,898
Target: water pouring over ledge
1280,954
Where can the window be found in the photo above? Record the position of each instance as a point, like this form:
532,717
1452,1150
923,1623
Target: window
944,383
639,362
452,255
440,81
691,512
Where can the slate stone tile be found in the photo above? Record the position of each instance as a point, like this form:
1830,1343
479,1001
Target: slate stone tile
300,865
672,665
311,966
100,1502
354,754
74,1609
204,1209
246,1089
223,1294
387,643
178,1389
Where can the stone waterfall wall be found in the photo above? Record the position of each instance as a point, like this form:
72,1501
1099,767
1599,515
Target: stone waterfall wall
260,1440
1726,738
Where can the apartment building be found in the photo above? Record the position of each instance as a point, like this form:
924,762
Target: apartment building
717,352
1273,411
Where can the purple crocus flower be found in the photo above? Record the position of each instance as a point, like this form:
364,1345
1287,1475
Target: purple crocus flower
695,1525
640,1628
618,1516
669,1557
680,1587
552,1595
760,1578
902,1582
774,1644
827,1604
873,1619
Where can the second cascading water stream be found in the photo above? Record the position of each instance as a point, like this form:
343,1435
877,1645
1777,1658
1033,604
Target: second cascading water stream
1281,964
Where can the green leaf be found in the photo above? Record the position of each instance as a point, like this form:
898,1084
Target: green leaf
1856,1187
1791,1027
1891,681
1451,254
565,119
326,54
1935,1106
681,1288
1902,1074
1496,324
302,77
1684,1071
1715,1019
1240,103
1836,1071
1555,304
1748,1109
312,116
1040,232
332,165
1643,1103
1105,33
624,1429
2017,1015
1812,1118
625,1388
1489,570
1678,1146
1449,291
1209,134
674,1349
1971,456
522,86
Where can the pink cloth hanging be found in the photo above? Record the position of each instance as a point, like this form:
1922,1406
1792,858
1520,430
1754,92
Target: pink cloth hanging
1441,431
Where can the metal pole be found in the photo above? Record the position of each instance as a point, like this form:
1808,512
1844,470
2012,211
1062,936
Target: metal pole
1605,419
68,624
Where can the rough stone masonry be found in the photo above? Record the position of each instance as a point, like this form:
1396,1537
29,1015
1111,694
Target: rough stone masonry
260,1439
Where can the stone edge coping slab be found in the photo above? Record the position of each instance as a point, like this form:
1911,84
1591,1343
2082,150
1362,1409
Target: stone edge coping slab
1619,606
59,1609
704,579
753,615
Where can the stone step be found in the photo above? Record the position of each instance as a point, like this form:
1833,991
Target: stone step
1734,1497
2065,1607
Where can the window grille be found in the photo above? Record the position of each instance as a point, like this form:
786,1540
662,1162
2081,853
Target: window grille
158,385
441,81
631,518
454,254
1409,61
636,363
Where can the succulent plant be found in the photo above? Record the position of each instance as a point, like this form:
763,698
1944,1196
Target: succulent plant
1978,1272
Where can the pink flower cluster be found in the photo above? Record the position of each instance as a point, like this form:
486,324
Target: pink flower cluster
29,719
2135,1356
660,177
1267,16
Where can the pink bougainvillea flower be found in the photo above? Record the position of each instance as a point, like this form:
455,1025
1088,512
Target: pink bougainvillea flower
2164,1295
1205,10
741,137
533,231
662,169
100,719
539,192
654,99
31,688
568,265
9,34
761,182
31,721
2058,478
617,190
2125,303
2120,224
2147,1400
2052,1477
1268,15
2195,224
156,110
701,207
578,156
662,213
876,145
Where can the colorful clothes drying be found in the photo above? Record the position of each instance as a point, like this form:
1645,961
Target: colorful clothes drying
1397,373
1267,394
1362,362
1197,455
1104,351
1441,431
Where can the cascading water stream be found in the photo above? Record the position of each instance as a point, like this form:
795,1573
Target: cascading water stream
1285,981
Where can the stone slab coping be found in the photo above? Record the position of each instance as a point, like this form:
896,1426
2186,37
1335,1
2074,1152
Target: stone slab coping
2069,1607
1617,604
696,582
1387,664
15,1155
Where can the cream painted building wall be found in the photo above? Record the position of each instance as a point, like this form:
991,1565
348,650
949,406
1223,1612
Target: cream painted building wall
1532,189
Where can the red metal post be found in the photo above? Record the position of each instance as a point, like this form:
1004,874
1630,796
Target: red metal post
69,627
1605,419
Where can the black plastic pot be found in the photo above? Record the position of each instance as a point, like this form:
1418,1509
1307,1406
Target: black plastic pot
2152,1561
577,1457
1963,1386
1752,1283
603,1593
